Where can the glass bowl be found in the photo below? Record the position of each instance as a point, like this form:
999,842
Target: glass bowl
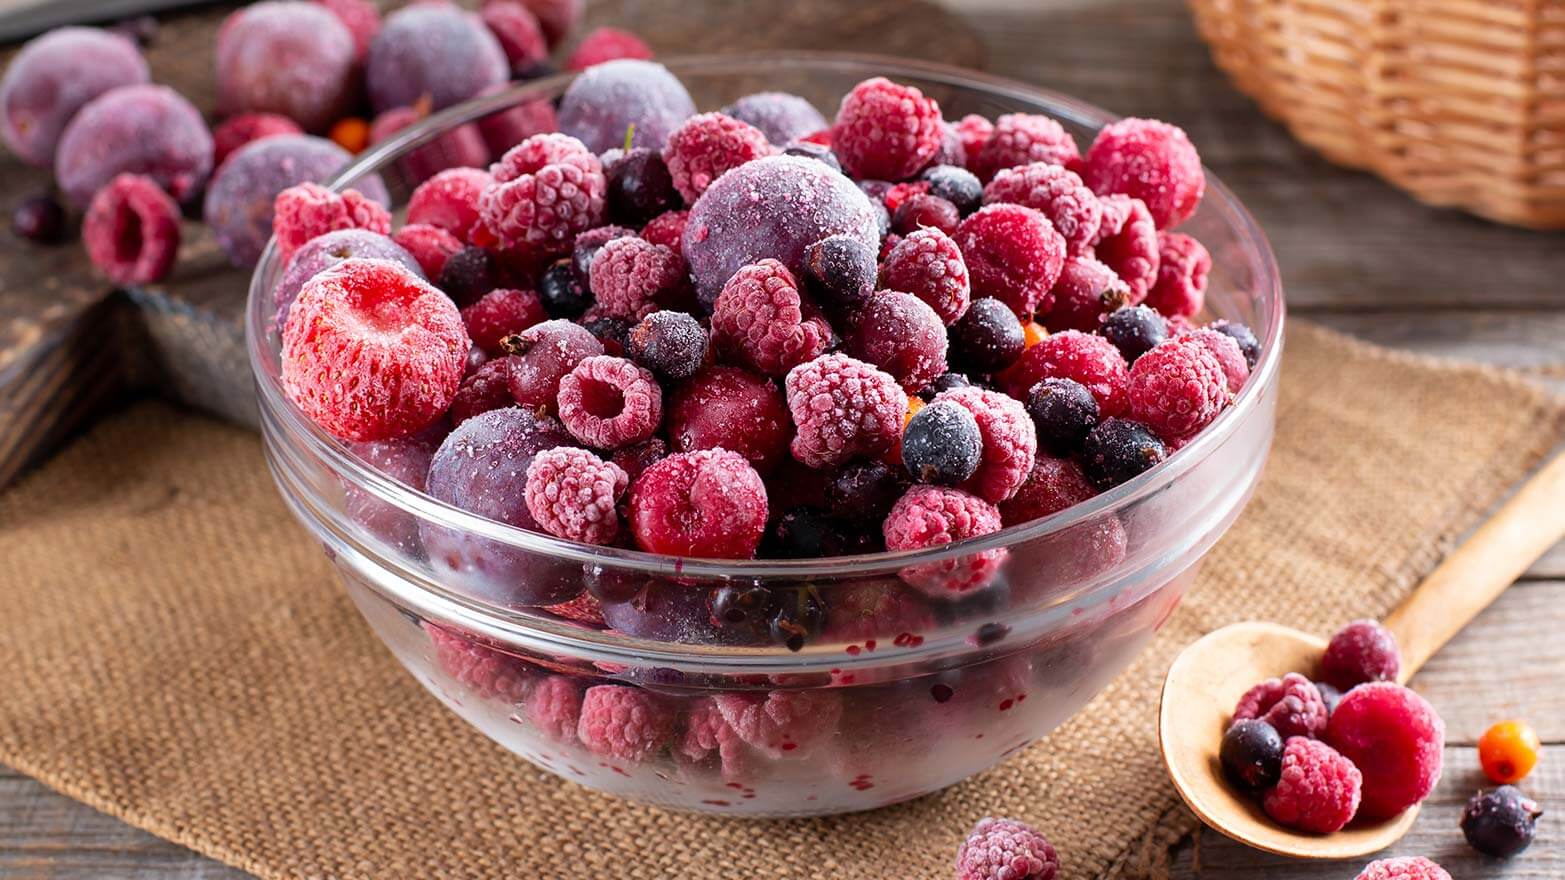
895,696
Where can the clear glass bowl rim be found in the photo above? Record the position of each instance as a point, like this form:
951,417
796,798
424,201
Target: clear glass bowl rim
335,454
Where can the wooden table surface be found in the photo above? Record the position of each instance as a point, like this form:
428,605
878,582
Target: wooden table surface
1355,255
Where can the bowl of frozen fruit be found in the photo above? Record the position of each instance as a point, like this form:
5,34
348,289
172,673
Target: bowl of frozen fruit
802,455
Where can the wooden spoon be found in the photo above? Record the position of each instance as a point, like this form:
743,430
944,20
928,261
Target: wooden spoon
1209,676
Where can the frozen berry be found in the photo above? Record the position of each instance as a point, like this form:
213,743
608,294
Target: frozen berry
1227,353
1396,738
801,613
1183,265
956,185
1063,411
1009,441
1251,754
806,533
843,408
840,270
1176,389
725,407
1087,292
1508,751
1248,344
137,129
431,246
776,723
518,32
623,722
929,265
54,76
603,44
486,388
1318,790
1359,652
361,18
572,494
1052,485
902,335
546,352
988,338
760,321
818,152
925,211
780,116
371,351
1004,849
1118,450
1135,330
668,230
305,210
1128,244
885,130
1403,868
1091,360
640,187
1013,254
609,402
1500,823
547,189
941,444
458,146
297,59
631,278
449,200
974,131
1147,160
706,147
862,494
563,295
1329,695
601,105
670,344
1022,139
612,331
488,672
1057,193
1290,704
500,313
236,131
929,516
323,252
553,708
132,231
586,246
706,504
436,50
468,274
39,219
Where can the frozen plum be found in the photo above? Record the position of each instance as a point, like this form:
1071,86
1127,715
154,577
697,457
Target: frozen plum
239,201
608,98
780,116
433,49
325,251
288,57
406,460
56,75
142,129
772,208
361,18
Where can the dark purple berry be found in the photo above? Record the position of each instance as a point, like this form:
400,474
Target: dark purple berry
612,584
468,275
800,615
988,338
1063,411
1500,823
944,382
806,533
1134,330
743,610
923,210
639,188
956,185
39,219
562,294
141,30
989,633
862,494
1251,755
1119,449
840,270
941,444
1329,695
818,152
1242,335
613,332
671,344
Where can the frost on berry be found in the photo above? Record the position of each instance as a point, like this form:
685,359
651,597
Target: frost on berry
1396,738
1403,868
135,129
632,278
780,116
553,708
1013,254
706,147
1086,294
1291,704
1151,161
843,408
489,673
296,59
307,210
624,722
53,77
930,516
132,230
609,402
733,409
605,44
449,200
323,252
1128,243
928,264
547,189
1005,849
1057,193
432,51
780,723
1022,139
1085,358
1183,265
603,102
1010,442
572,494
1177,388
901,334
707,504
760,320
1319,790
885,130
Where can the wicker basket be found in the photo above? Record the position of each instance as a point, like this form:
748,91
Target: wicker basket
1459,102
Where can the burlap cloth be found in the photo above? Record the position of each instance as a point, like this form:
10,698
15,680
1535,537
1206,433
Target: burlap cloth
176,653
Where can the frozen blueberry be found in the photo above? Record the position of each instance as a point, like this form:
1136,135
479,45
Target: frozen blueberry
743,610
1251,755
1242,335
562,294
1329,695
840,269
1119,449
1063,411
1134,330
670,344
801,613
613,332
639,188
807,533
988,338
818,152
956,185
941,444
39,219
1500,823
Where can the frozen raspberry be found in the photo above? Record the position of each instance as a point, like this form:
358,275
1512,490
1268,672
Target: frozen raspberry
1319,790
607,44
1147,160
1052,485
362,20
1396,738
1055,192
54,76
297,59
132,230
587,245
1359,652
778,723
1403,868
371,351
1177,388
1182,267
437,52
843,408
705,732
1013,254
1004,849
1022,139
780,116
1090,360
1248,344
924,211
236,131
609,402
541,207
554,708
667,229
1128,244
1010,442
632,278
449,200
134,129
902,335
485,388
707,146
929,516
885,130
1085,295
582,609
1228,354
760,321
488,672
603,102
729,408
431,246
1291,705
708,504
303,211
501,313
521,37
928,264
572,494
974,131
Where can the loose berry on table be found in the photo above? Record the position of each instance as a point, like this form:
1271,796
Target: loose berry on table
1500,823
131,230
1508,751
1005,849
39,219
1403,868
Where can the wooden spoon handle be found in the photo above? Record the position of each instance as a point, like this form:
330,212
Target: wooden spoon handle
1531,522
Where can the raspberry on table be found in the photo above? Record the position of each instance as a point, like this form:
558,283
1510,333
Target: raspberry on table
733,409
924,211
631,278
1056,192
1009,441
707,504
885,130
609,402
928,264
1251,754
236,131
500,313
449,200
840,270
1396,738
760,320
931,516
572,494
1013,254
1052,485
545,353
778,723
706,146
1118,450
902,335
1403,868
371,351
486,671
485,388
624,722
1136,330
131,230
1005,849
1182,268
603,44
1128,243
1359,652
431,246
941,444
1148,160
1087,292
1177,388
554,708
547,189
1291,705
670,344
1084,358
668,230
1023,139
843,408
1319,790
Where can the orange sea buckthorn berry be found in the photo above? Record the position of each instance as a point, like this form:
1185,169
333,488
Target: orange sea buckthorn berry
914,404
1508,751
352,134
1033,333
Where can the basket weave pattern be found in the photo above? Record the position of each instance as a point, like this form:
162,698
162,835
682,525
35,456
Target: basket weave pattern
1459,102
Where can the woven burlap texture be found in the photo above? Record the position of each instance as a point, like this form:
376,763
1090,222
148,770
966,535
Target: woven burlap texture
176,652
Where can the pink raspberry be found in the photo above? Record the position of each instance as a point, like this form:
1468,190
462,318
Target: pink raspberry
1182,267
609,402
1013,254
632,278
1128,244
1359,652
1147,160
1403,868
501,313
607,44
305,210
572,494
1319,790
1052,485
431,246
554,708
929,516
547,188
1085,294
484,389
761,321
1082,357
371,351
1291,704
624,722
1010,441
1004,849
974,131
1021,139
486,671
902,335
1177,388
885,130
449,200
778,723
236,131
843,408
705,732
1396,738
1055,192
518,32
582,609
1227,352
929,265
708,145
709,504
873,609
667,229
536,153
131,230
730,408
